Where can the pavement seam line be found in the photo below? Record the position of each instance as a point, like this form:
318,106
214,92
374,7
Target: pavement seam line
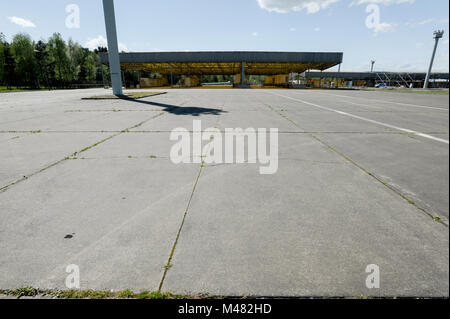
392,188
105,237
378,179
366,119
168,265
172,252
25,177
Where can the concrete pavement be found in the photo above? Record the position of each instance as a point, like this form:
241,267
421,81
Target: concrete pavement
352,189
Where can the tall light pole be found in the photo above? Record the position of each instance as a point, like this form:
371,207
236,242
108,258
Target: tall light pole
372,64
437,35
113,48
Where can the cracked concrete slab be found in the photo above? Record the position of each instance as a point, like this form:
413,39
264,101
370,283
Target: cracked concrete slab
123,216
118,208
32,152
309,230
134,145
399,160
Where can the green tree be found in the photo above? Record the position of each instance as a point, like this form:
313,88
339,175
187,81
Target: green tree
87,66
42,60
76,55
58,56
82,74
9,75
103,75
90,65
2,58
52,64
26,65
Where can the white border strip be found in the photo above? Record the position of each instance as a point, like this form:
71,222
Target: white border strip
366,119
383,101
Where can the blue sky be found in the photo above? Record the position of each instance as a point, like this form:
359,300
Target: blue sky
402,40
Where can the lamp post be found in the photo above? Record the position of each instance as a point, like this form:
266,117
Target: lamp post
372,64
437,35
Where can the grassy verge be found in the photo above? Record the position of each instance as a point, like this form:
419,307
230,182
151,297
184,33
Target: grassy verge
4,89
12,89
90,294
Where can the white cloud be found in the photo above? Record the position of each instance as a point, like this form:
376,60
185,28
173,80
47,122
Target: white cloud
123,47
313,6
292,29
385,2
100,41
24,23
384,27
426,21
316,29
255,34
420,45
284,6
406,66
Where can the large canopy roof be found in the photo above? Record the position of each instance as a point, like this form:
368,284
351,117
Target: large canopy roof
227,63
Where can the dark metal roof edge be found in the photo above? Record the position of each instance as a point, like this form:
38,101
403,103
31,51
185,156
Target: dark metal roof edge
229,56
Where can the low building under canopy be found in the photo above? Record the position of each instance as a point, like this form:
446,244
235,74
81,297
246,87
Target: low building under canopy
227,63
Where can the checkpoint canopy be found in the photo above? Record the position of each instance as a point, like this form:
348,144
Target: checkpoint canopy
227,62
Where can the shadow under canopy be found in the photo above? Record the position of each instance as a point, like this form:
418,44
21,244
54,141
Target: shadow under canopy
181,110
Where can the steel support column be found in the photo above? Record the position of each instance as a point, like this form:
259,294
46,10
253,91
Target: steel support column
243,75
339,76
113,48
171,75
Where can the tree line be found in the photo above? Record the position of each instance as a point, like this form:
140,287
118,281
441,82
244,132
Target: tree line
55,63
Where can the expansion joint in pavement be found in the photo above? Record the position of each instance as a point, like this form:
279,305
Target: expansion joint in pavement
392,188
378,179
26,177
169,261
172,251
